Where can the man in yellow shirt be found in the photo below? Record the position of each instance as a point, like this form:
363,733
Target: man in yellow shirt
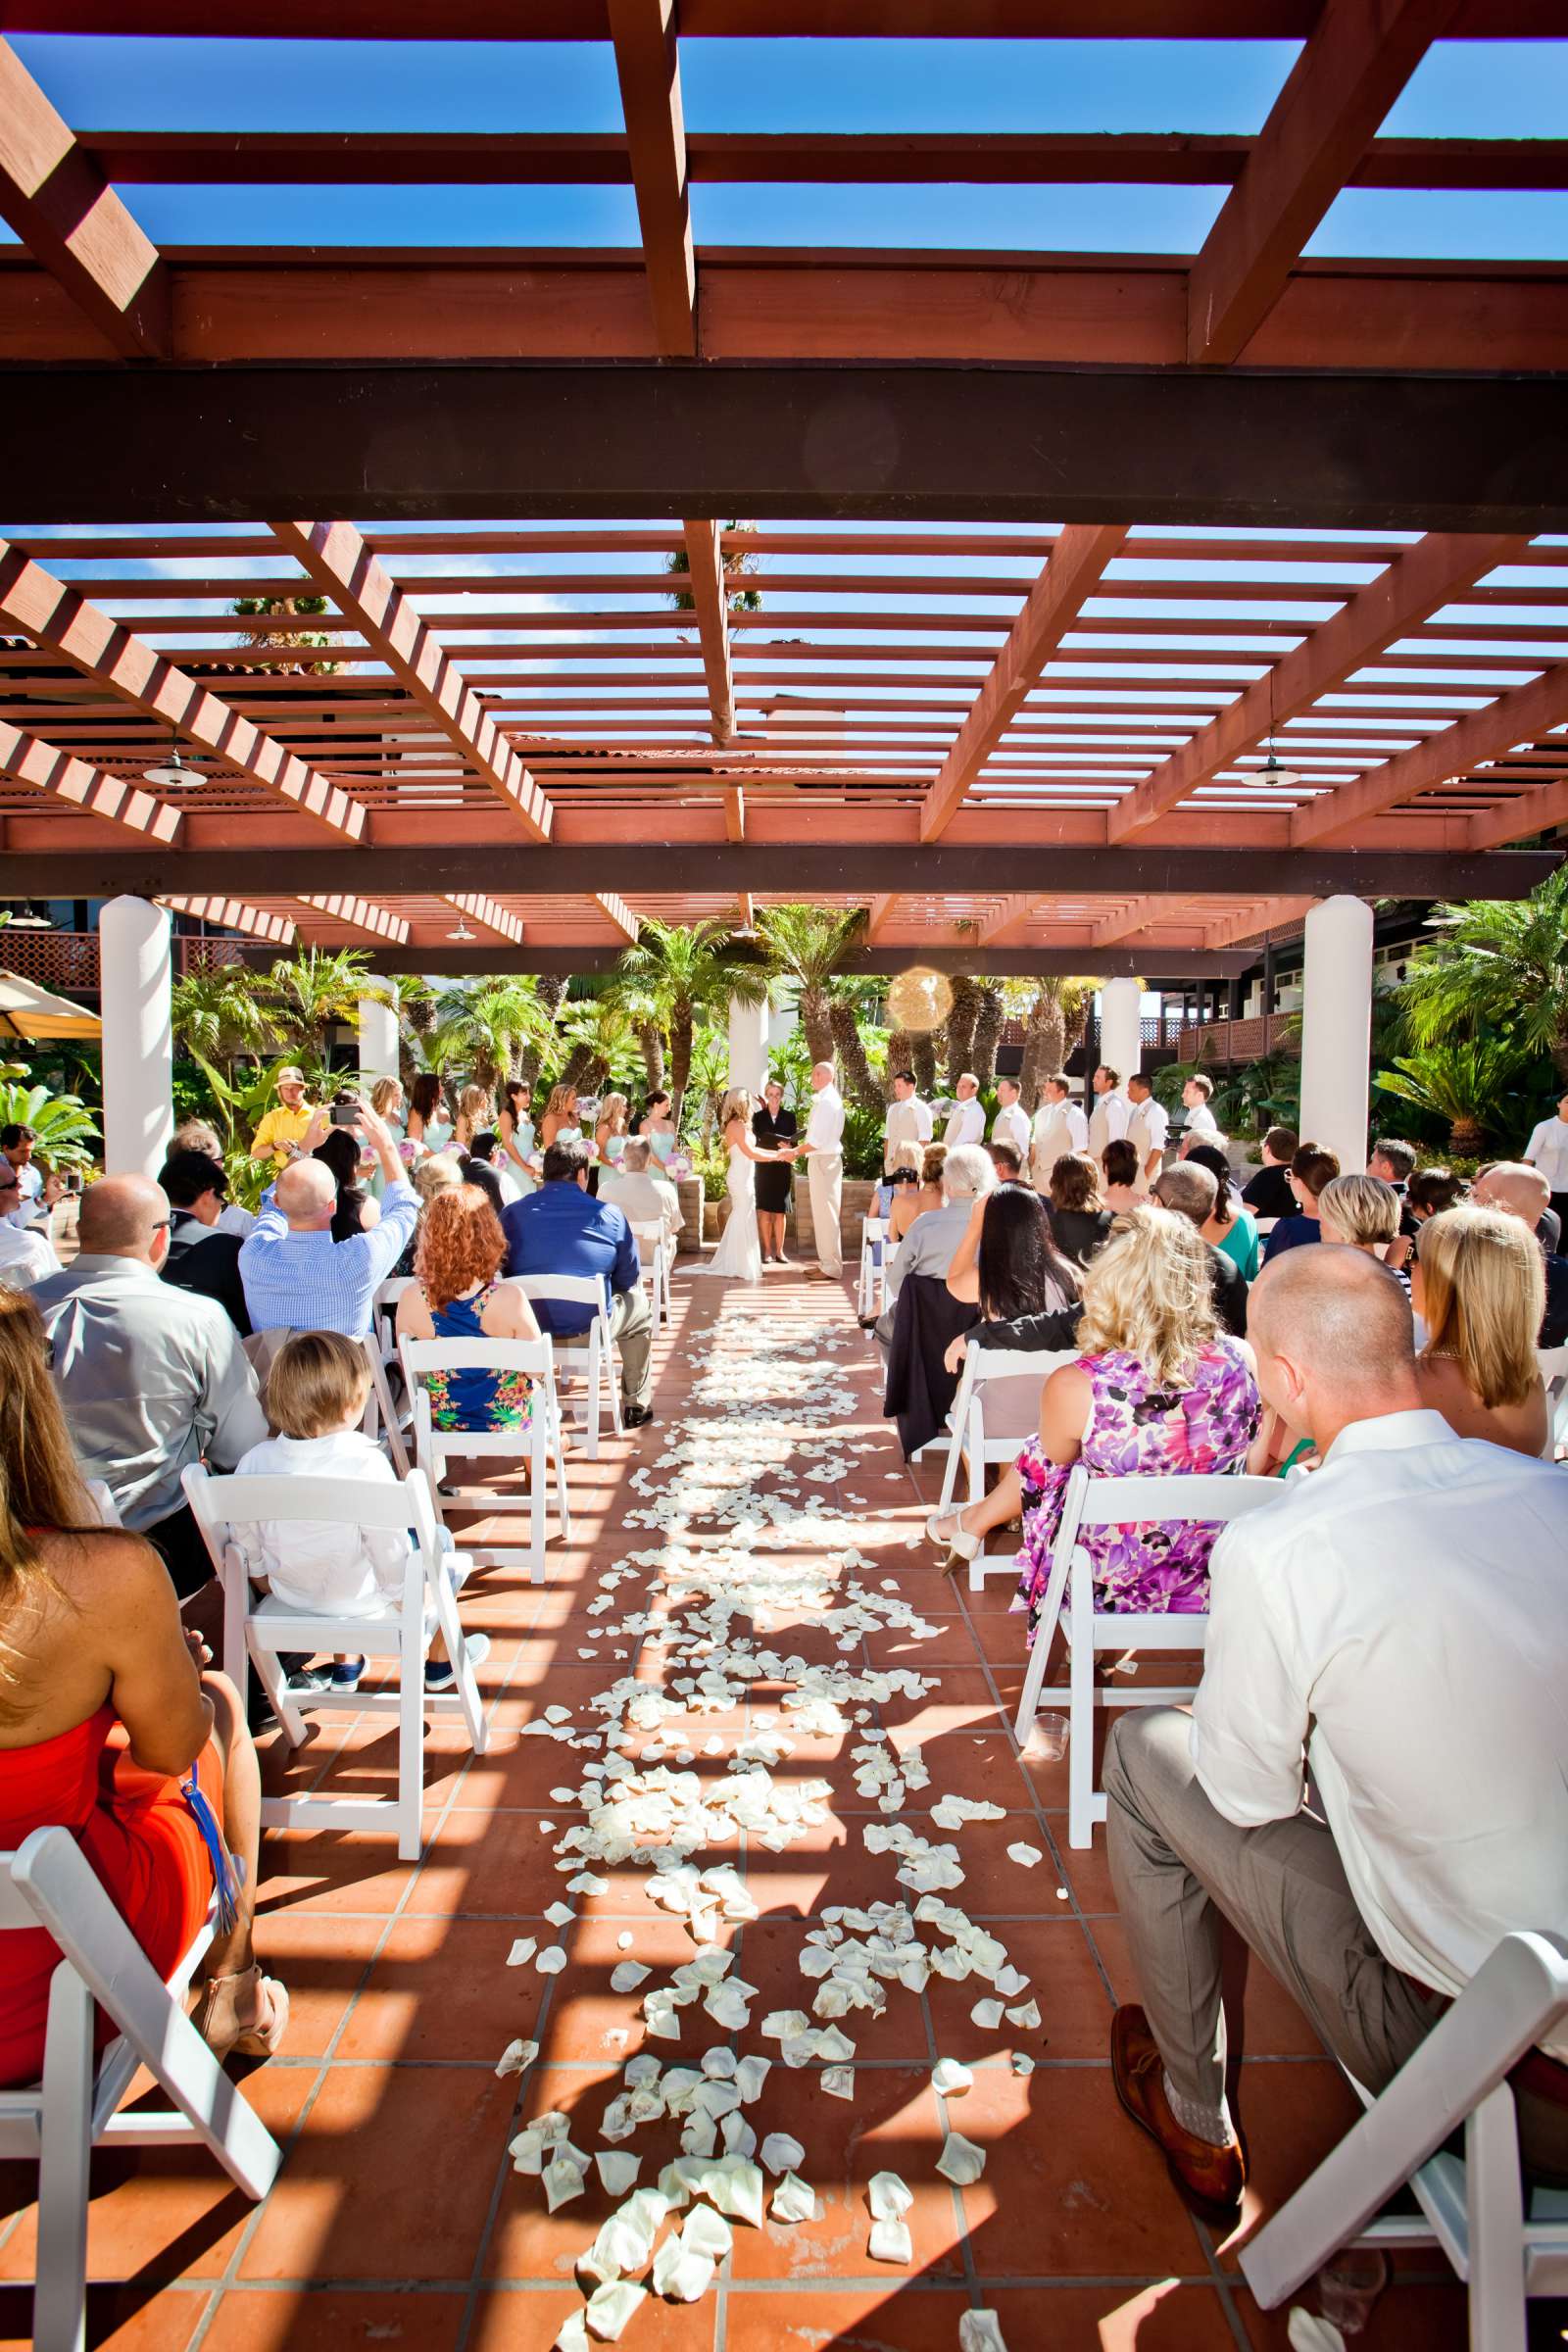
282,1130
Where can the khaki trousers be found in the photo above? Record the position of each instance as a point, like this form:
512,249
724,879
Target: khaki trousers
1178,1865
631,1327
825,1171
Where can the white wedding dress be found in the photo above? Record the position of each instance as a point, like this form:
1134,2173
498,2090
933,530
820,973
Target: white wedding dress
739,1257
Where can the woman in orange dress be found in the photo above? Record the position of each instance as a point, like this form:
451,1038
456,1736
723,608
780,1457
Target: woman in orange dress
107,1726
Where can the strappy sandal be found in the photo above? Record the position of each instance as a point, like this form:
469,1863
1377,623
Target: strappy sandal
218,2022
947,1527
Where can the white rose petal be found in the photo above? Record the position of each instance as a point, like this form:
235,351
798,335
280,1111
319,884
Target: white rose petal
980,2332
611,2307
618,2172
551,1963
523,1950
781,2152
891,2242
960,2161
1026,1856
793,2202
889,2197
627,1975
950,2080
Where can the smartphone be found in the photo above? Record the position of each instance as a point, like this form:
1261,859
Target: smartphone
345,1114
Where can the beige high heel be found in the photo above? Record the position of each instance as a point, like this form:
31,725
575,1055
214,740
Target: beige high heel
218,2020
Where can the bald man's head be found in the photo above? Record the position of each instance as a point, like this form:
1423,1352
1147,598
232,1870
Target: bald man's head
1334,1338
1514,1187
124,1216
306,1194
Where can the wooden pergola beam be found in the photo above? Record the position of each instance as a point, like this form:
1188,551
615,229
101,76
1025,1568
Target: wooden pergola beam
710,602
1537,811
358,915
1072,572
879,914
233,914
1139,916
487,912
60,622
1273,914
60,204
65,777
1411,588
1521,715
618,913
1200,21
648,66
1358,59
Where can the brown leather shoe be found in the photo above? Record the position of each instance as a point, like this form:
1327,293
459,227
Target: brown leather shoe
1207,2178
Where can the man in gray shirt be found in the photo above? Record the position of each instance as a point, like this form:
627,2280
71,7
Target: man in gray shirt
151,1377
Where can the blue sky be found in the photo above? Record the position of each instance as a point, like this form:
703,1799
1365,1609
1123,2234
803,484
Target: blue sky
1475,90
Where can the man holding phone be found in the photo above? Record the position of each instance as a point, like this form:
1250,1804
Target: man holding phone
296,1277
280,1137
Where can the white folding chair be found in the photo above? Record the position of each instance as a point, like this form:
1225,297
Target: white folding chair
536,1446
103,1502
1265,1226
990,1368
591,1352
401,1628
384,1313
1553,1362
871,1296
1474,2207
58,2121
652,1252
1117,1503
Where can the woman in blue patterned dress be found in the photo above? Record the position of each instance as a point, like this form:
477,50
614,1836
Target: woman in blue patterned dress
456,1295
1158,1391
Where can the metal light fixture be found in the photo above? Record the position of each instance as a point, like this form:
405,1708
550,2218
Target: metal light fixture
172,775
461,936
1272,776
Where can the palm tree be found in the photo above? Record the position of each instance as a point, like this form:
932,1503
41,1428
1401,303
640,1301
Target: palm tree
602,1045
1053,1025
307,994
849,1006
923,1060
961,1025
550,991
741,600
216,1013
806,945
1502,964
673,973
259,610
988,1033
1467,1082
417,1019
487,1028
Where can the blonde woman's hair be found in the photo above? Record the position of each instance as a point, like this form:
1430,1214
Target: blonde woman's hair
613,1114
906,1156
1363,1208
317,1382
473,1100
383,1093
1483,1298
1148,1293
562,1099
737,1104
437,1172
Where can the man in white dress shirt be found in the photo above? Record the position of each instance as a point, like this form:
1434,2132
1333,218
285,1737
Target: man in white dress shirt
1060,1126
1011,1122
967,1121
1201,1126
1393,1622
908,1119
1148,1127
823,1145
1107,1122
1548,1150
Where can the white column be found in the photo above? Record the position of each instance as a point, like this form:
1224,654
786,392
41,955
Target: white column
1121,1042
1337,1029
378,1034
748,1044
133,978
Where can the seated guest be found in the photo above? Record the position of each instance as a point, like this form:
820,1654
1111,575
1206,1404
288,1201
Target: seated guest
151,1377
1394,1626
642,1196
458,1296
1362,1212
1429,1193
1229,1226
25,1255
1520,1191
1192,1192
356,1210
560,1229
1079,1218
1480,1287
438,1172
1007,1159
1392,1162
1008,1267
316,1396
201,1257
196,1135
296,1276
914,1201
104,1713
18,1144
485,1151
1157,1389
487,1180
1267,1193
1123,1186
1312,1168
903,1169
932,1239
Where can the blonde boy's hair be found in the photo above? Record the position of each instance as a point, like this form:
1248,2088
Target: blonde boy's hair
319,1381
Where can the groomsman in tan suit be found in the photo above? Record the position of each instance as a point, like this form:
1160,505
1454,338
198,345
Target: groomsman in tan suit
1149,1128
1059,1126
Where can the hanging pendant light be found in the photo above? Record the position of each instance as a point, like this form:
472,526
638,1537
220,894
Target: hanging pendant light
174,774
461,936
1272,775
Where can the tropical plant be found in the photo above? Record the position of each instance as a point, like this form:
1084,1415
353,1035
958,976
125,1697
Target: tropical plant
602,1046
216,1013
307,994
484,1029
990,1014
852,1009
962,1026
417,1018
550,992
1471,1082
673,973
806,945
62,1124
1053,1025
1501,963
707,1084
923,1060
262,639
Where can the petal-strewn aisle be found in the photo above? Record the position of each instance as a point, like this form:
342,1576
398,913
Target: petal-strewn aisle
786,1943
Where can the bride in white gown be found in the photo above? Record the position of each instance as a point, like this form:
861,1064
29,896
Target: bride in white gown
739,1257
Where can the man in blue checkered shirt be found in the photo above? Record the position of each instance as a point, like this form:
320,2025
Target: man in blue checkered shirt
296,1277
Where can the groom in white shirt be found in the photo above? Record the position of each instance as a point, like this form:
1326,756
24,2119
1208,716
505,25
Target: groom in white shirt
823,1146
967,1121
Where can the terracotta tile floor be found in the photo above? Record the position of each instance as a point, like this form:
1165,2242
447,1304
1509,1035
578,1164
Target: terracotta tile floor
397,2219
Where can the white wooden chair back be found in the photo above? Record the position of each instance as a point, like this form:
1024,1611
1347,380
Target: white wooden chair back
539,1444
996,1369
1553,1362
401,1628
1265,1226
56,2123
654,1256
1118,1502
103,1502
871,1296
1508,2247
591,1352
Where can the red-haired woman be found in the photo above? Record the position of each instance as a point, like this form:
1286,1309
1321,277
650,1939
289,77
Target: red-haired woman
457,1295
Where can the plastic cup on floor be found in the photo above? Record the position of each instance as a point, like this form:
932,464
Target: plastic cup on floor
1350,2285
1048,1739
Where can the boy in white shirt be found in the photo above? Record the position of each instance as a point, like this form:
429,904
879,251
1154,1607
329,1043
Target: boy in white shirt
316,1396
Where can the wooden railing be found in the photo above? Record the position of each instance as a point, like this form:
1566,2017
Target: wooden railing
1232,1043
68,960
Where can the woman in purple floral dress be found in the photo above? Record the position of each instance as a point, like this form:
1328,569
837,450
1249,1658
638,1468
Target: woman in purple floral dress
1159,1389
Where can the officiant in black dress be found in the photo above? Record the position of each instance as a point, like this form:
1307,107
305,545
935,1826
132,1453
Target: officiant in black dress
772,1128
